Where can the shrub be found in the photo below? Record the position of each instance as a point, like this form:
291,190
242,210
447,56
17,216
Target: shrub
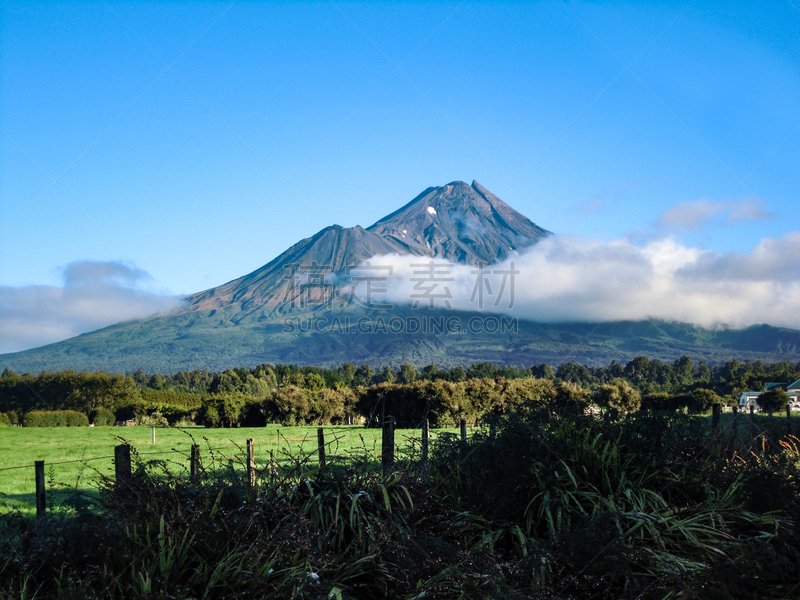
55,418
155,419
102,417
75,418
4,420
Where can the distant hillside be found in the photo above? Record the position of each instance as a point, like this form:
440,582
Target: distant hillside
241,323
186,342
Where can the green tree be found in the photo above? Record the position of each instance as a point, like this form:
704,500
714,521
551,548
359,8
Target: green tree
703,399
457,374
387,375
364,375
348,372
432,372
638,370
256,387
226,382
543,371
571,399
619,398
776,399
296,379
314,382
408,374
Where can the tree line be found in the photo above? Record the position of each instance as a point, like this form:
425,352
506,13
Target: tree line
297,395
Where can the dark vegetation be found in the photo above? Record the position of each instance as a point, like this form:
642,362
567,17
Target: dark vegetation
293,395
555,504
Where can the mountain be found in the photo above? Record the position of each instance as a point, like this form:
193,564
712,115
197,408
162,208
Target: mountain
245,322
458,222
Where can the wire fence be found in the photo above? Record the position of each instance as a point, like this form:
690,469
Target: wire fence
331,446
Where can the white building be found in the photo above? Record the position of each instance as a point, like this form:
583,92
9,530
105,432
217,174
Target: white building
748,399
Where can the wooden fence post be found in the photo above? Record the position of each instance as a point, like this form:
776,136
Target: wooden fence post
752,420
41,499
464,430
387,444
251,464
194,463
321,446
122,463
716,411
735,421
154,436
492,430
788,418
425,434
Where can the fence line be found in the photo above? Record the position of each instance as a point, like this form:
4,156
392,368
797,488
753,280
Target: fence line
123,463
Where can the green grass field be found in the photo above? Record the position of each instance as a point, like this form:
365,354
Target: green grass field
91,449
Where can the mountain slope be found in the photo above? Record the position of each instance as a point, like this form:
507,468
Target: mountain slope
264,291
193,341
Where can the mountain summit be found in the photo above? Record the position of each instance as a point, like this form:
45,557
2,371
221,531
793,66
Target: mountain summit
459,222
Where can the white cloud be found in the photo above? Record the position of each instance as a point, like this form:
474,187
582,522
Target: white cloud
94,295
696,213
574,279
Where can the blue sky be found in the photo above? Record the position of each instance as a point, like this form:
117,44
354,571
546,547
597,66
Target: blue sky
190,143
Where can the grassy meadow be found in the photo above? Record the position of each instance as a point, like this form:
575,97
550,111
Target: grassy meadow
90,450
76,457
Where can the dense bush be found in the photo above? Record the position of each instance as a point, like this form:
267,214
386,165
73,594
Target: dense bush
182,400
155,419
641,507
55,418
445,403
102,417
175,414
4,420
65,390
223,410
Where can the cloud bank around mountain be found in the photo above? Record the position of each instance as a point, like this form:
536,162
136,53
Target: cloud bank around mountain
94,295
565,278
562,278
